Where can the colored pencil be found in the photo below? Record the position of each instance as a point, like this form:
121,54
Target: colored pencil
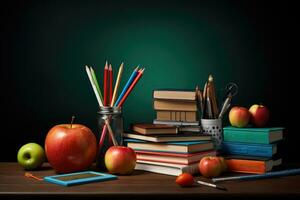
140,73
110,70
105,86
111,134
286,172
130,80
93,86
102,138
96,82
117,84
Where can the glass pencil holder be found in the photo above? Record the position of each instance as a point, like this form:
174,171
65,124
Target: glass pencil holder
214,128
111,116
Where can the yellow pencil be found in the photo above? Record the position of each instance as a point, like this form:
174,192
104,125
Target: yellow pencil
117,84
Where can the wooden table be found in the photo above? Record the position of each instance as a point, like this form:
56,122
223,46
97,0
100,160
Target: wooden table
140,184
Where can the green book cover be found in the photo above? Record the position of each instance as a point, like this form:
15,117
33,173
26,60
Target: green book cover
253,135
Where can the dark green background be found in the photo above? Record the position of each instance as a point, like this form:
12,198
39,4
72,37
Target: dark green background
47,44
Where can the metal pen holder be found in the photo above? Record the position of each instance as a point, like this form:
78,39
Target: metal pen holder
214,128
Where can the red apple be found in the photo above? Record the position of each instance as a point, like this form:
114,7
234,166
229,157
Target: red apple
239,116
120,160
70,147
259,115
210,166
185,180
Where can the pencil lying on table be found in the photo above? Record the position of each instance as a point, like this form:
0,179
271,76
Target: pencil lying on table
212,185
287,172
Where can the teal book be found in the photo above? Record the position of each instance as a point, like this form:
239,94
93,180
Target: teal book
253,135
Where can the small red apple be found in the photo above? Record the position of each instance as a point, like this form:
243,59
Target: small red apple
185,180
210,166
239,116
70,147
259,115
120,160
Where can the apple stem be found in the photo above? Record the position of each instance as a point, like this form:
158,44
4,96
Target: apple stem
72,120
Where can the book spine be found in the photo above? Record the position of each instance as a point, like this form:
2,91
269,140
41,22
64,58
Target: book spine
247,137
246,166
248,150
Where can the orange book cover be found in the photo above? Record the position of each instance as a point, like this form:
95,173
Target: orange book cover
247,166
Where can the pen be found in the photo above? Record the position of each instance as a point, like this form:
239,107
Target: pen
212,185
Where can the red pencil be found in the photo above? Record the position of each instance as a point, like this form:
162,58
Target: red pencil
110,70
105,84
137,78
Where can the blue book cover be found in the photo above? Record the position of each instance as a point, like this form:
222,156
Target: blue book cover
248,149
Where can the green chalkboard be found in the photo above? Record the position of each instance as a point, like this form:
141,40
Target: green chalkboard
178,42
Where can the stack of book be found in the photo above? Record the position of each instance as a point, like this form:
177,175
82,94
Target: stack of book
175,107
161,149
251,150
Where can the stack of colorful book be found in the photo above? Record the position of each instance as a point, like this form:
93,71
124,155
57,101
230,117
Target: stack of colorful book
161,149
251,150
175,107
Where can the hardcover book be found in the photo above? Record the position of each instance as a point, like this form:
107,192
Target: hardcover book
171,147
175,94
175,105
166,168
176,123
148,129
253,135
251,165
175,158
177,115
249,149
169,138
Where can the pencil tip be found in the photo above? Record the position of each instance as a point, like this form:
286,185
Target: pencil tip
110,67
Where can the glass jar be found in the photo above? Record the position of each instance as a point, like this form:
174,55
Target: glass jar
114,117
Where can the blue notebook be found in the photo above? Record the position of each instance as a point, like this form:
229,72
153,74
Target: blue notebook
248,149
79,178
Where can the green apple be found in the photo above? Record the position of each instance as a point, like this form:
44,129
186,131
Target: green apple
31,156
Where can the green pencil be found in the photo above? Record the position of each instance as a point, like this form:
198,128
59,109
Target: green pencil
96,83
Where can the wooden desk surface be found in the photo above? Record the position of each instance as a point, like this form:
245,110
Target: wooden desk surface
14,185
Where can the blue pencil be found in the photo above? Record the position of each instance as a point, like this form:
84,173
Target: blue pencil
258,176
130,80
